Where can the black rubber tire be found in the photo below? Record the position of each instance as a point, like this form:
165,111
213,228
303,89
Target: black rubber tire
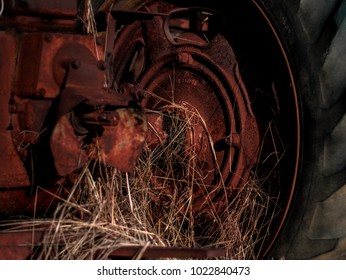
314,34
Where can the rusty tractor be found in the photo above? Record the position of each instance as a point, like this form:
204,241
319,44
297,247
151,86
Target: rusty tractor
74,73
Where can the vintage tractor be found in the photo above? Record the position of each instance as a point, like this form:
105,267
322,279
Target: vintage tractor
76,76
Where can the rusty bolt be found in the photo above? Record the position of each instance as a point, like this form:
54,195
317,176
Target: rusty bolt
12,108
99,41
48,37
122,90
101,65
233,140
75,64
138,95
112,119
142,94
103,117
184,57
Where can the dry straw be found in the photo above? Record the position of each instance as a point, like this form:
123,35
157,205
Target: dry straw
154,205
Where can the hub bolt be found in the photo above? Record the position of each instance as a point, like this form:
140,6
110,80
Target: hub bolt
184,58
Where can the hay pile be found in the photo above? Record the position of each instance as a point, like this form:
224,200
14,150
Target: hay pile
153,206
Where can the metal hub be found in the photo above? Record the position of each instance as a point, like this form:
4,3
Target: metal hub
179,69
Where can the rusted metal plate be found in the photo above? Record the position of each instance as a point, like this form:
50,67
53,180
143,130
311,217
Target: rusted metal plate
66,148
18,245
123,130
35,24
26,201
122,143
55,8
157,133
28,119
167,252
45,58
12,171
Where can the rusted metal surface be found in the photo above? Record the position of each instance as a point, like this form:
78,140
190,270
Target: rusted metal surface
122,143
25,202
40,16
23,244
34,24
50,62
45,58
66,147
18,245
122,131
121,138
12,170
54,8
167,252
157,133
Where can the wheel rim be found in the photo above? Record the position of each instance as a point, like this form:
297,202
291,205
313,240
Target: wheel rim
254,131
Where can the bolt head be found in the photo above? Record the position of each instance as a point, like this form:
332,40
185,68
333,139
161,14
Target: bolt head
75,64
